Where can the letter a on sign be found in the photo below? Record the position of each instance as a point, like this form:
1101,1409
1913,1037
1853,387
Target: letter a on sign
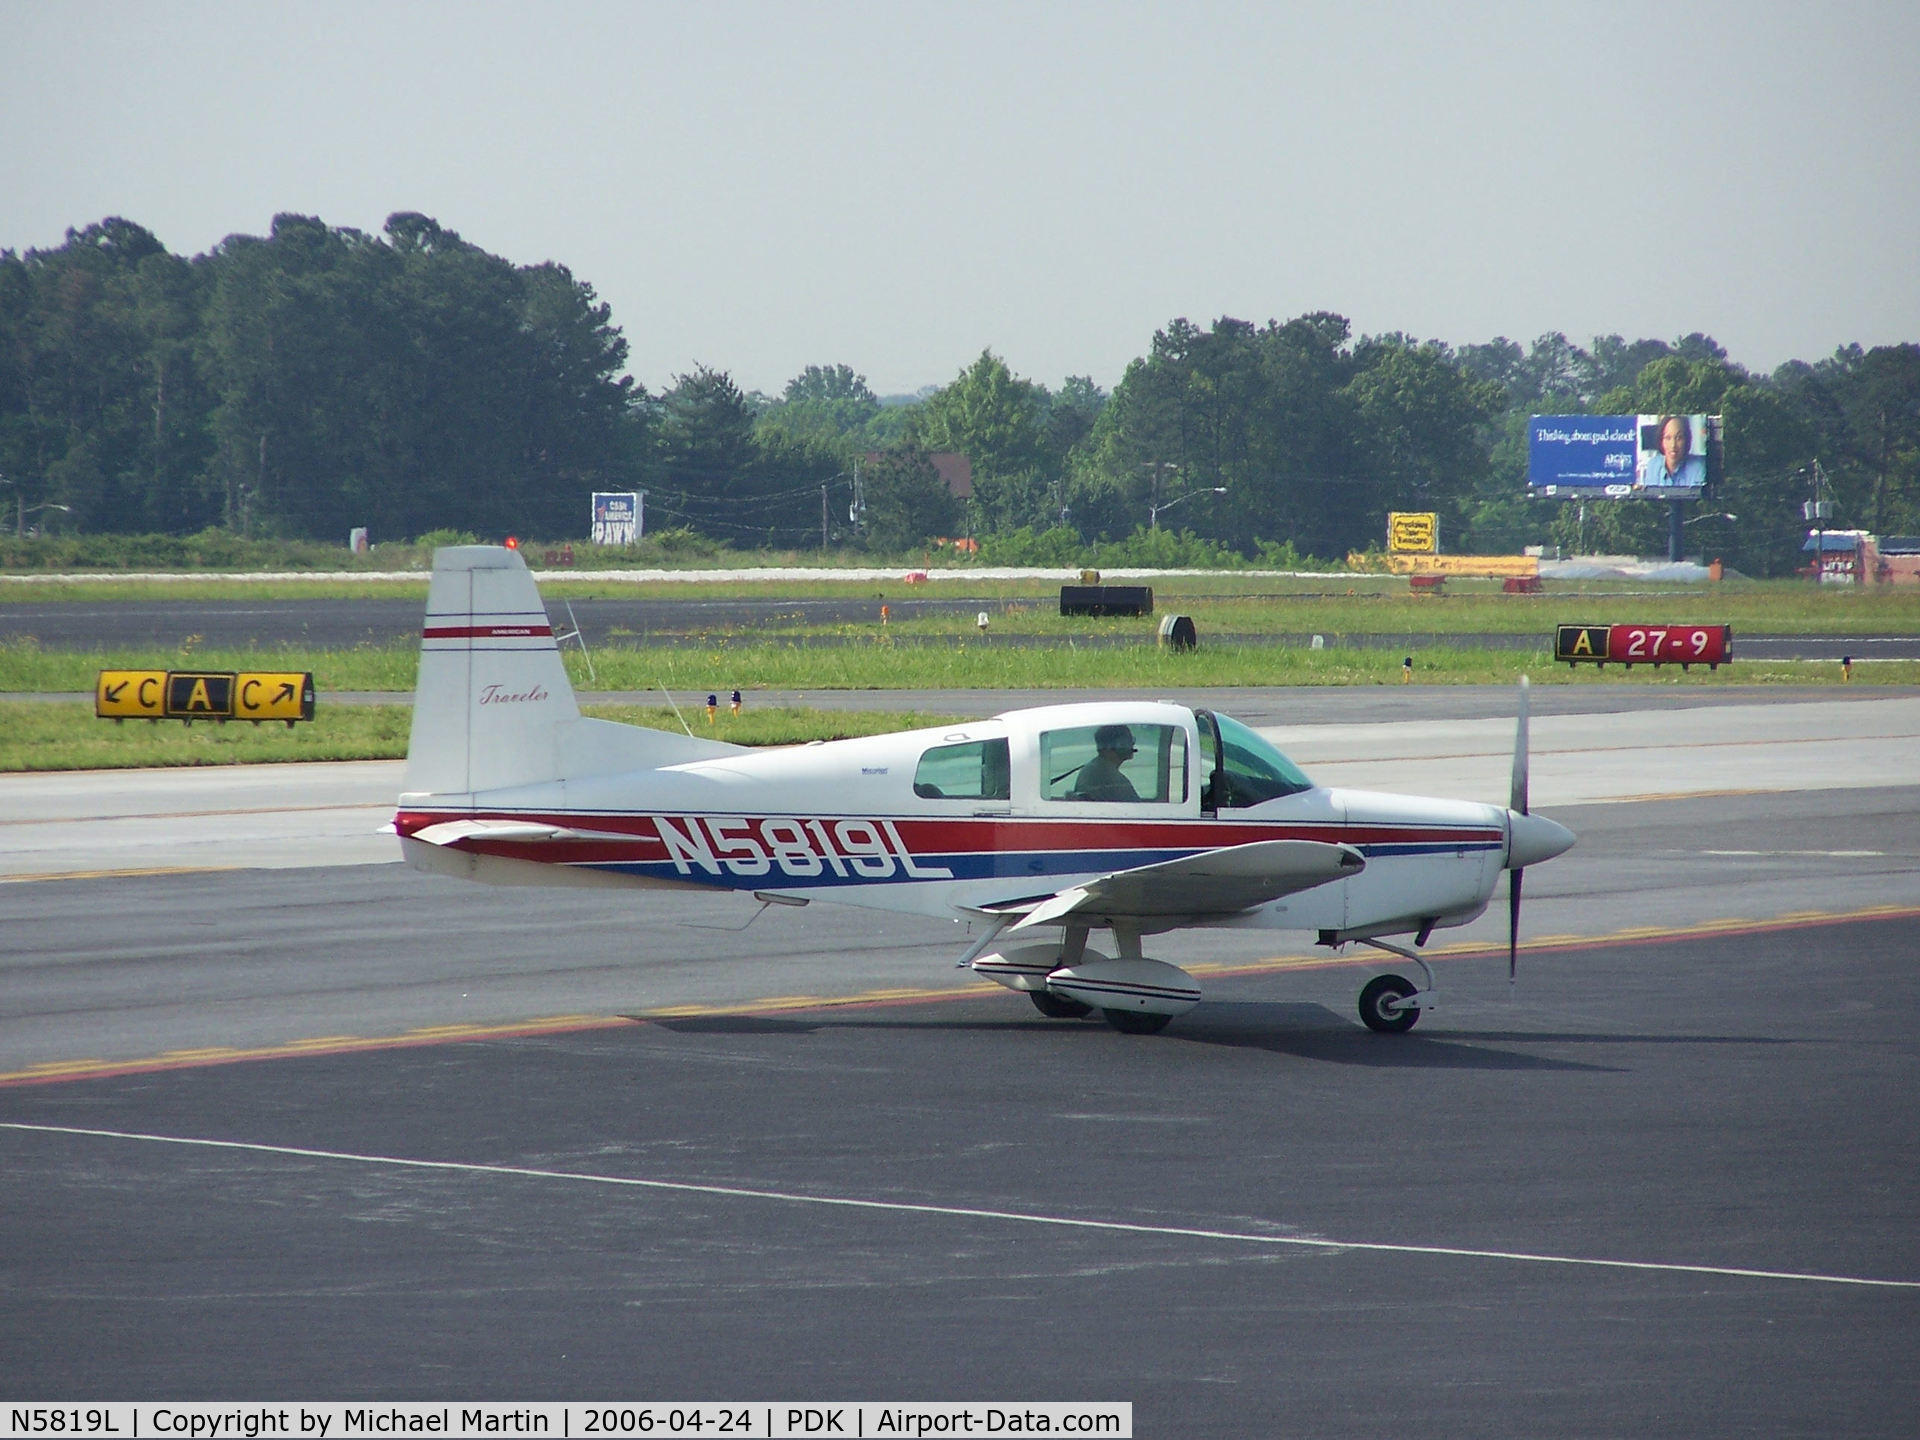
199,694
1581,642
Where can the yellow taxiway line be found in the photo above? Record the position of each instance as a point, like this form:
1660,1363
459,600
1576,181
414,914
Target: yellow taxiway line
25,879
95,1068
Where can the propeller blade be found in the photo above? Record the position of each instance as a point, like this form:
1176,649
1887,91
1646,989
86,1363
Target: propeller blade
1513,925
1518,800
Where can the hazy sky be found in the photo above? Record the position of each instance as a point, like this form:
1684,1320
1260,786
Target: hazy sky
897,187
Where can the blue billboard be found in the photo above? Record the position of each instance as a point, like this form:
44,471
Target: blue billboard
1582,454
619,517
1618,457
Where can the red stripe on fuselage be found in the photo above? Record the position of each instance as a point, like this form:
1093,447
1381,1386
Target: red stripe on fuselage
933,838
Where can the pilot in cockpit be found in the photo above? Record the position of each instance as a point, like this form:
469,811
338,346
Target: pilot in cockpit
1101,777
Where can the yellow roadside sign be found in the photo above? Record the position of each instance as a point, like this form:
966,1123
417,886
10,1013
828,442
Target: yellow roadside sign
130,694
1412,532
1463,564
258,695
273,695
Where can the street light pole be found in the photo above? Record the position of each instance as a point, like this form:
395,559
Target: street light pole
1153,503
1153,510
21,510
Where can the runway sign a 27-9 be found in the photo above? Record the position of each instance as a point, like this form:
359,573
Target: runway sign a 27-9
204,695
1630,645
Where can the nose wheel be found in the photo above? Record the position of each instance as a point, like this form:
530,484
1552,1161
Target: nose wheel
1058,1007
1384,1007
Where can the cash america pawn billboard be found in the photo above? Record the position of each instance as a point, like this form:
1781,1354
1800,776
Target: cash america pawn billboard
1623,457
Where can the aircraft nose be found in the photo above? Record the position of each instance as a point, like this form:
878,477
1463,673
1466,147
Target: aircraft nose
1533,838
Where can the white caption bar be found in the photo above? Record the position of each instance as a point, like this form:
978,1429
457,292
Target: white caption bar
758,1420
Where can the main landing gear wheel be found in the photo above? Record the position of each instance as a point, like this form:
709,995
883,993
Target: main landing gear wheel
1379,1005
1137,1022
1058,1007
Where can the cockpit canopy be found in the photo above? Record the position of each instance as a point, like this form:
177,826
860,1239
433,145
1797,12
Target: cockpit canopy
1244,770
1149,755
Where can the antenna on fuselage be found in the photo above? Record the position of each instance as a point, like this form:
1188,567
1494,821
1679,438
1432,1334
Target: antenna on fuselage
574,634
676,711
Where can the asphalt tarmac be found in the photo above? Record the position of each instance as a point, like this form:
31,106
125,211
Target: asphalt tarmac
481,1143
1670,1192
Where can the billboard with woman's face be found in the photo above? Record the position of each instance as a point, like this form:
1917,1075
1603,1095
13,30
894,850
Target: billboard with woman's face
1673,453
1622,457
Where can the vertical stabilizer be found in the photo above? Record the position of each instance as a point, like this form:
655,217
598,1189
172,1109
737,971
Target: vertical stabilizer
493,699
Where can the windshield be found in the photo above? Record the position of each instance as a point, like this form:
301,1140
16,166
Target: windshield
1251,770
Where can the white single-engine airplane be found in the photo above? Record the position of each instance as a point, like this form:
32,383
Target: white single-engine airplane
1041,826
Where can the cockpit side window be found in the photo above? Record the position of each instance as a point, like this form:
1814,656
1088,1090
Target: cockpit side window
976,770
1115,764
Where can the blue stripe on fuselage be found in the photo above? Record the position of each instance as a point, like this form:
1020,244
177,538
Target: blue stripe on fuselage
981,865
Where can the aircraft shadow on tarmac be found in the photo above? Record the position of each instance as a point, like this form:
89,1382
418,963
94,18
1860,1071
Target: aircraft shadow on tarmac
1304,1031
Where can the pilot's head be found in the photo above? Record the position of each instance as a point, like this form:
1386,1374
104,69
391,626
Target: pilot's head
1117,739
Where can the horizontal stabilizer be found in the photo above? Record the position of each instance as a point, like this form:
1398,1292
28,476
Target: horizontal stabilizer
1215,882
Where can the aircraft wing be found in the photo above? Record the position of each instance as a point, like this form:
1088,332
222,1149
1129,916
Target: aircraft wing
1216,882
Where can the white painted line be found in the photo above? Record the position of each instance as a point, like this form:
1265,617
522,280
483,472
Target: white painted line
1820,854
1017,1217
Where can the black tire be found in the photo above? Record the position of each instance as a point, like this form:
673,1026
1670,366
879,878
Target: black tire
1383,988
1137,1022
1058,1007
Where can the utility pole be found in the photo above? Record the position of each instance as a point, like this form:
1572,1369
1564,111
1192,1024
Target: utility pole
1818,510
823,519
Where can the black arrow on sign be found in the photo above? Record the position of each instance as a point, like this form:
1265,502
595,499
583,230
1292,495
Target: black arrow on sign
286,692
114,692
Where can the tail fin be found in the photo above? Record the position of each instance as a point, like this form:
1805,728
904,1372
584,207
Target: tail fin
493,707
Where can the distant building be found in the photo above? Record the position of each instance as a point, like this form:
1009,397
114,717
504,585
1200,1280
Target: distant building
1855,557
1900,559
952,466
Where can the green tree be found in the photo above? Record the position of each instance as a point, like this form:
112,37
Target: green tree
994,418
1881,405
102,407
1423,422
907,502
1262,412
823,406
707,451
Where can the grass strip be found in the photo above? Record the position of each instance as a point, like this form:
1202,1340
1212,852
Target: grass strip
878,662
1221,603
62,736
